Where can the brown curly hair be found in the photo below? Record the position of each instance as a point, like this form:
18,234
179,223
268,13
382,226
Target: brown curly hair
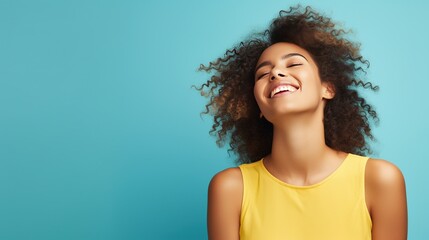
347,117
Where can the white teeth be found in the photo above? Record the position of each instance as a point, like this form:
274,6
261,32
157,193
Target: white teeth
280,88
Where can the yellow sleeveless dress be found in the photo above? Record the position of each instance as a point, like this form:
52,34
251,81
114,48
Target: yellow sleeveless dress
333,209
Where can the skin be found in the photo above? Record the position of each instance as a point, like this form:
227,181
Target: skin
298,124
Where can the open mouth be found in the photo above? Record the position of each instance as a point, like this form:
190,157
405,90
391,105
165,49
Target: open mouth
283,89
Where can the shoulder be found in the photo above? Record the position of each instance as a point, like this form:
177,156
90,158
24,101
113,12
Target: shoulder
382,173
226,189
224,204
227,180
384,183
386,199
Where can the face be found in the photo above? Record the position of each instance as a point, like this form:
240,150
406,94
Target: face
287,82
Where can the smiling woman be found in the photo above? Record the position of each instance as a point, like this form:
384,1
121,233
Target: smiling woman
286,81
289,101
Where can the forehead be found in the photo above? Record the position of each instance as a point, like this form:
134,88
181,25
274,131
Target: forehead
280,49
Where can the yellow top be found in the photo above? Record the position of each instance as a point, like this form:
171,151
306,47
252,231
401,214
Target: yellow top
332,209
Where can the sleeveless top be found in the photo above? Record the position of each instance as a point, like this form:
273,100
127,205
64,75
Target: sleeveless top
332,209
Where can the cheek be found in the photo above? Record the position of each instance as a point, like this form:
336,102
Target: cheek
258,90
310,80
258,93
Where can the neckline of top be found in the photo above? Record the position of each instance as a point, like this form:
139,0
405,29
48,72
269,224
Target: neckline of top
330,176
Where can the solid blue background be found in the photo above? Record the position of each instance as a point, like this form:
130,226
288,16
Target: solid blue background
100,133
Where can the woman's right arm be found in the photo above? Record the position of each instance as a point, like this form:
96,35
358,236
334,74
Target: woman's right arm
224,205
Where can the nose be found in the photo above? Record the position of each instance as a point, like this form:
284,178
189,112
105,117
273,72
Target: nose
277,73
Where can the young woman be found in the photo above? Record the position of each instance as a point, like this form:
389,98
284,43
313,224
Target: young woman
288,101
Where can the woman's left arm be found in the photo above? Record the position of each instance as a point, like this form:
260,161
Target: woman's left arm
386,200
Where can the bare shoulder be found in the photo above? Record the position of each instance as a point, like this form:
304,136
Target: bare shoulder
382,173
228,180
224,204
386,200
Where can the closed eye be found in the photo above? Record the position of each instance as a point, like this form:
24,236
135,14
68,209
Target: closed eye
294,65
262,75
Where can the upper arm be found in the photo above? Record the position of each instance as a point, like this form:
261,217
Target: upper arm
386,200
224,205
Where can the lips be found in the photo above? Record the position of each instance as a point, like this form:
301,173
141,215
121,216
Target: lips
284,88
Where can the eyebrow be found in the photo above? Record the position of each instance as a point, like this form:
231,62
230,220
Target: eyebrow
265,63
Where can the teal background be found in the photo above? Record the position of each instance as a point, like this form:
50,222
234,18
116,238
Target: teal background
100,133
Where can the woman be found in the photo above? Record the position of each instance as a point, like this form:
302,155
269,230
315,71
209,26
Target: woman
288,101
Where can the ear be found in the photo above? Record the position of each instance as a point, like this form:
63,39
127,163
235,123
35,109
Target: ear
328,90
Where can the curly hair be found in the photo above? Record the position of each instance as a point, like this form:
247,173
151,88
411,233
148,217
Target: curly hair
347,117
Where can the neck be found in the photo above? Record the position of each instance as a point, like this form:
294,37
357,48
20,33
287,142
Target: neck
299,142
299,150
